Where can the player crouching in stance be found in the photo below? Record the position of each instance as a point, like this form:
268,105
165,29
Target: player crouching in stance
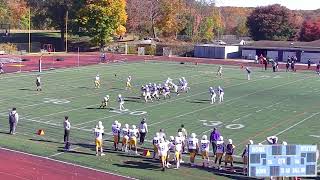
125,138
229,155
98,140
219,152
213,95
221,94
133,135
104,102
128,84
244,156
219,72
178,149
97,81
193,147
121,102
163,150
205,150
116,127
38,83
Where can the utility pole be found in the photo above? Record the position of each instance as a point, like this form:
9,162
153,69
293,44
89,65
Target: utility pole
29,30
66,32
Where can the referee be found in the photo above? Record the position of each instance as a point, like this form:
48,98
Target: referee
67,127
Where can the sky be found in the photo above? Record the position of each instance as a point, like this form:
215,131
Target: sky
291,4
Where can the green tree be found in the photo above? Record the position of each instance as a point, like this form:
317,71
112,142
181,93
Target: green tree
273,22
206,30
242,29
56,13
101,18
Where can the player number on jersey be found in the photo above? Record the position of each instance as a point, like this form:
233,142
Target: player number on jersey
217,123
135,113
56,101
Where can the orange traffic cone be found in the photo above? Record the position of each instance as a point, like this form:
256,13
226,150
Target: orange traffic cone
146,153
40,132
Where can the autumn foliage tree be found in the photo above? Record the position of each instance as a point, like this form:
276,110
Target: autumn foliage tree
101,19
273,22
310,30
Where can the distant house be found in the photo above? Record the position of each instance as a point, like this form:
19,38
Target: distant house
281,50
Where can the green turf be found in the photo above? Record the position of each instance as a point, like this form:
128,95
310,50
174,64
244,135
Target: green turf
280,103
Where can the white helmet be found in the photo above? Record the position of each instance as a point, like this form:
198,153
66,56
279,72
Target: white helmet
107,96
250,142
119,125
134,126
180,134
157,134
204,137
221,138
171,138
260,144
126,125
230,141
211,87
99,123
119,95
284,143
115,122
183,78
219,87
129,76
193,135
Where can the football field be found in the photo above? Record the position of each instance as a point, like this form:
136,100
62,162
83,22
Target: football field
284,104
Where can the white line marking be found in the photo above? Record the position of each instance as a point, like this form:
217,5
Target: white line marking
63,162
242,117
64,152
204,108
164,103
316,136
296,124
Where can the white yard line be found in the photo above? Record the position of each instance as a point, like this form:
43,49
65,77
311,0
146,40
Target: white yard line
296,124
242,117
67,163
204,108
169,101
54,83
89,94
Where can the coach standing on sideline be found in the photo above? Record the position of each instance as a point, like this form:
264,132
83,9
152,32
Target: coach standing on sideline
214,137
67,127
13,120
143,130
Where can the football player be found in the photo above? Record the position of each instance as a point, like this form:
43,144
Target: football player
125,138
128,84
193,147
205,150
115,131
121,102
105,101
213,95
134,134
221,94
38,83
97,81
219,72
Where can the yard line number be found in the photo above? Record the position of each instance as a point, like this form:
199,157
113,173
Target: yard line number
210,123
55,101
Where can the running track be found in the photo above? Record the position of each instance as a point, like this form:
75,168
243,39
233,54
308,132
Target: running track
21,166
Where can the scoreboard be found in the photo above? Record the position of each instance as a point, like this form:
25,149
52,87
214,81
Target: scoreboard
282,160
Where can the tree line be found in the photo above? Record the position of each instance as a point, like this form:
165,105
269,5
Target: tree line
195,20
